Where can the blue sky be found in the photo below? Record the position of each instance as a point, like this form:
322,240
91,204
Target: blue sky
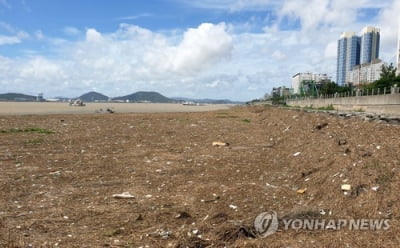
205,49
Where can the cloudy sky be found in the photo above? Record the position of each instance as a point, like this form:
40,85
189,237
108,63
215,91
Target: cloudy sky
236,49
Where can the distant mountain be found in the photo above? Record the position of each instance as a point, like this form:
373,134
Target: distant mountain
93,97
17,97
206,100
144,96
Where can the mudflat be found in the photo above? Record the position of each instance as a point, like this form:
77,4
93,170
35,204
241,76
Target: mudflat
26,108
156,180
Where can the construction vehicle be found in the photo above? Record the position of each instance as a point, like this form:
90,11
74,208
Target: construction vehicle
77,102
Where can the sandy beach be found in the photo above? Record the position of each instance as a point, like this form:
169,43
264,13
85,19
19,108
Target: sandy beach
62,177
26,108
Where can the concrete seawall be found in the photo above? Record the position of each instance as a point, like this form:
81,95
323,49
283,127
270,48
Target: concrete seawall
388,104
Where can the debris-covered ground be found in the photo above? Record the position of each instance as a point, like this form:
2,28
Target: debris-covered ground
156,180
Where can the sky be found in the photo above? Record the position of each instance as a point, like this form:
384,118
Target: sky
222,49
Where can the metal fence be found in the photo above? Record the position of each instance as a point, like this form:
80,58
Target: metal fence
353,93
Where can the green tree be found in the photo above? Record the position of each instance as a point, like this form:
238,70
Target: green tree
388,72
329,88
387,80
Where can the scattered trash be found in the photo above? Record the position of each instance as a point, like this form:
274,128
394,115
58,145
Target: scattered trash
307,173
217,143
271,186
378,147
161,234
139,218
375,188
359,189
320,126
233,207
301,191
193,242
183,215
287,129
366,154
215,198
346,187
231,233
148,196
296,154
124,195
342,142
165,234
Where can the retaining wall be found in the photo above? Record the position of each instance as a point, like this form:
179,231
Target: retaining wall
388,104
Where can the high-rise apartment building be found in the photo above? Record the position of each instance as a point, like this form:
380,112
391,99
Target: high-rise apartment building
348,55
355,50
370,39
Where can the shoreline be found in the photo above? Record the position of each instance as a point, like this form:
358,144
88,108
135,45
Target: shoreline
50,108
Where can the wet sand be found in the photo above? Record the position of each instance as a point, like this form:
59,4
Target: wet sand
27,108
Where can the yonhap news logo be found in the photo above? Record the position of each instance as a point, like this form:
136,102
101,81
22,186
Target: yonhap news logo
268,223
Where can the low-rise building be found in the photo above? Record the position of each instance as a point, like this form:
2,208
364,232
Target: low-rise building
281,91
317,78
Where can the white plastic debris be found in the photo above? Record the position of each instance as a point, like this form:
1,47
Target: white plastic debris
218,143
271,186
124,195
233,207
375,188
296,154
346,187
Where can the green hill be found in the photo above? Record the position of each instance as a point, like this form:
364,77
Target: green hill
93,97
17,97
144,96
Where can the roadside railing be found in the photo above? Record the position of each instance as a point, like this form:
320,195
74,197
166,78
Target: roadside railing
353,93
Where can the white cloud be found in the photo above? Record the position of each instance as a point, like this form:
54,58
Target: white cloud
389,22
331,50
278,55
9,40
93,36
71,31
41,69
8,27
201,48
130,58
233,5
134,17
